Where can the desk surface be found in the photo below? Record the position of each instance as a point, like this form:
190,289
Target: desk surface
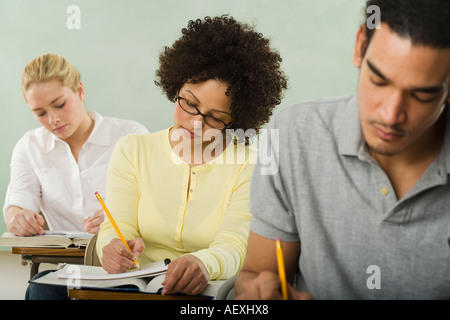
86,294
69,252
49,255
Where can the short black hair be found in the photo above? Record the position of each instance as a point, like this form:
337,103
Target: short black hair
232,52
424,22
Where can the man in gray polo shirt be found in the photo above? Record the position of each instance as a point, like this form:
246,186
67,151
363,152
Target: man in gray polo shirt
361,200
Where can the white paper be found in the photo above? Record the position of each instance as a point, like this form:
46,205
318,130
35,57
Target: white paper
98,273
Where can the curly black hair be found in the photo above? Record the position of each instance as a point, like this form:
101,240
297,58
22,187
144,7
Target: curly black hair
232,52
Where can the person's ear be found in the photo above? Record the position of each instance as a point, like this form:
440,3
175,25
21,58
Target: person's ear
81,91
360,47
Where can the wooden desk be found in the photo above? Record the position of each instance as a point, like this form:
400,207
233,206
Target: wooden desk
86,294
49,255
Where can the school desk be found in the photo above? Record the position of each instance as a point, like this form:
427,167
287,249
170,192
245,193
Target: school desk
96,294
36,256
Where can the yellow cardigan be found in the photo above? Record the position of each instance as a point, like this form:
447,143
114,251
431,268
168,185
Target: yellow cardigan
147,194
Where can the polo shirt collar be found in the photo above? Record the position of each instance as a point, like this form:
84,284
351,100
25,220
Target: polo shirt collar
349,135
99,136
445,152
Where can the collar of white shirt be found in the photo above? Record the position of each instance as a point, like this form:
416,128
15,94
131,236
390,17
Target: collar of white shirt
100,135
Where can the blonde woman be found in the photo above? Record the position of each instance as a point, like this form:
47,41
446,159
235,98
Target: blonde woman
56,169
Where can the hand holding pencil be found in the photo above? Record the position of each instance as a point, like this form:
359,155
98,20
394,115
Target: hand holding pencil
272,278
119,255
117,258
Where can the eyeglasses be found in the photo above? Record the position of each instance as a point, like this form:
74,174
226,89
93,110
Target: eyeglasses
209,120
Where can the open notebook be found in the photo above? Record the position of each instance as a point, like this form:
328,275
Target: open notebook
82,272
147,280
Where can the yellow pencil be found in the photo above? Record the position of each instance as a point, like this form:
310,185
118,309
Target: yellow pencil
114,225
281,270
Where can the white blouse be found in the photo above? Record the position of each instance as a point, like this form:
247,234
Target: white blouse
45,176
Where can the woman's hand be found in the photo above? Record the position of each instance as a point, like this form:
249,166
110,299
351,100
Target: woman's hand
117,258
187,274
24,222
92,224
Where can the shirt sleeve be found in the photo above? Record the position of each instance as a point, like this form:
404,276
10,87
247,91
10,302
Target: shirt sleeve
122,194
225,255
24,189
270,200
138,129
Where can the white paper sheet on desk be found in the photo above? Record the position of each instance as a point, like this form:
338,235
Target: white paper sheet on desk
82,272
68,234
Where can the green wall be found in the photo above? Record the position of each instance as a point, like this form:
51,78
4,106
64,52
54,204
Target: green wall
117,46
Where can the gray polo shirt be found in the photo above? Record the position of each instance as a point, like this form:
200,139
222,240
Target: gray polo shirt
357,240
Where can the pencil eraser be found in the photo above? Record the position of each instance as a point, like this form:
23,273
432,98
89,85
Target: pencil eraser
96,193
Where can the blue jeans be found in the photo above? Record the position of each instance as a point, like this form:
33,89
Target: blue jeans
40,291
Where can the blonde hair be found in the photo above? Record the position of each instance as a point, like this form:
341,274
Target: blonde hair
49,67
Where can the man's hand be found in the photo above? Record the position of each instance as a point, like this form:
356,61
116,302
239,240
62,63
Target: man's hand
267,286
259,277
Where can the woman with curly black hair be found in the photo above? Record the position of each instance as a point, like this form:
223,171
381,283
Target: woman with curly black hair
183,193
234,54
